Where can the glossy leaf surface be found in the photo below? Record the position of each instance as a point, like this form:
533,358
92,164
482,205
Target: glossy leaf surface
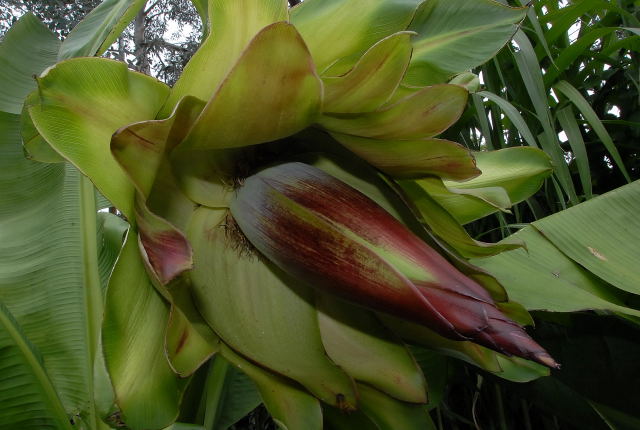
391,414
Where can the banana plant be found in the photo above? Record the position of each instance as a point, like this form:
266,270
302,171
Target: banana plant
282,210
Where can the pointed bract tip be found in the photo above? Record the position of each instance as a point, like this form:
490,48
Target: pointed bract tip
547,360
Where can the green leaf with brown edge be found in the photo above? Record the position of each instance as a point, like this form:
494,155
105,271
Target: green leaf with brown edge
508,176
285,103
27,49
367,351
443,224
410,159
335,29
81,103
260,312
288,404
147,390
423,114
543,278
601,235
372,80
236,23
391,414
457,35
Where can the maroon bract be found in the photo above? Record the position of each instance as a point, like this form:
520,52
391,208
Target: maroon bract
324,232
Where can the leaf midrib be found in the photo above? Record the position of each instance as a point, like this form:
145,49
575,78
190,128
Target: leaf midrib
50,394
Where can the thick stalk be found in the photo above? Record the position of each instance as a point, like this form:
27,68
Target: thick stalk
93,289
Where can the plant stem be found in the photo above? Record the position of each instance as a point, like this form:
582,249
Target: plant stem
214,391
93,289
502,420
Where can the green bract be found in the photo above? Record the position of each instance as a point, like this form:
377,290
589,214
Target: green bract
237,248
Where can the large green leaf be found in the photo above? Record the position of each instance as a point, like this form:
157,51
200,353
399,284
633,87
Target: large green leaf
81,103
601,235
543,278
425,113
508,177
146,389
235,23
335,29
28,399
100,28
260,312
457,35
275,108
27,49
48,267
